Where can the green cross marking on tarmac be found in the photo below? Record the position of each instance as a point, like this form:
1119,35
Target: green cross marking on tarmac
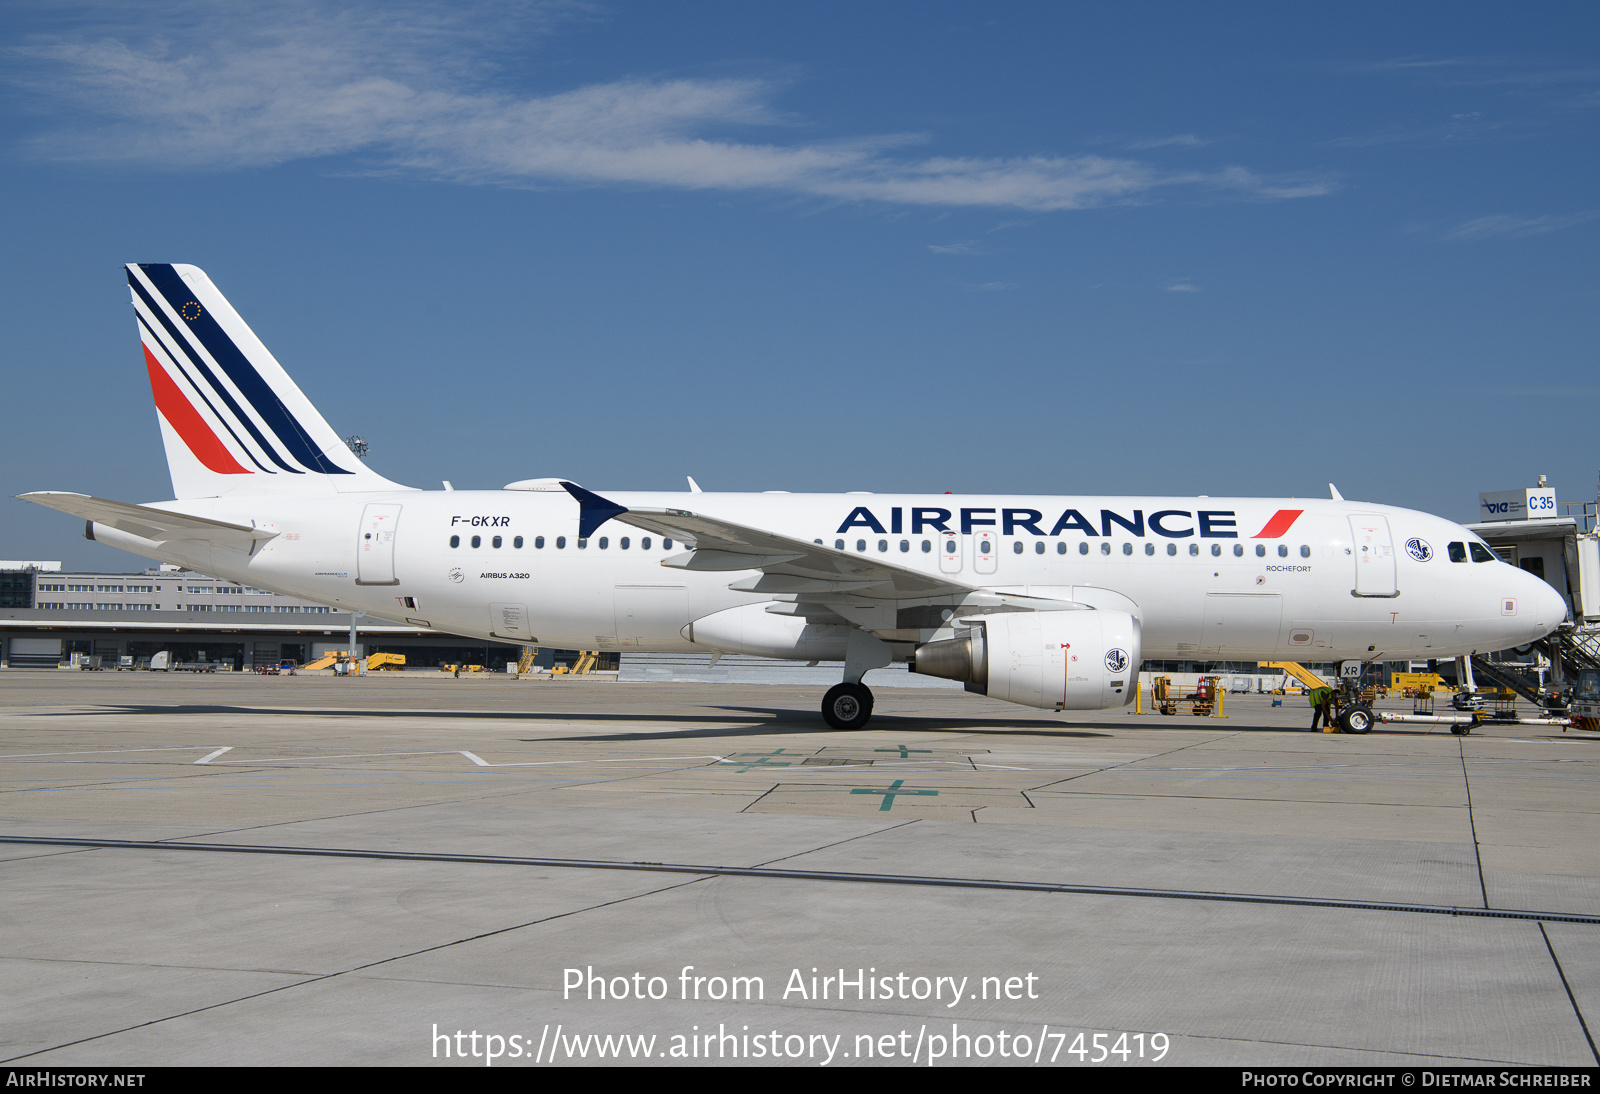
905,753
764,759
893,792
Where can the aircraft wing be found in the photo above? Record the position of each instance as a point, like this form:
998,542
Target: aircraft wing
143,521
795,569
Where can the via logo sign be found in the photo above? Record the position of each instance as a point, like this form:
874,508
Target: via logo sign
1117,660
1419,549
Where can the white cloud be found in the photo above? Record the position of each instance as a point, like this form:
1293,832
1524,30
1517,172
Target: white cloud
1513,227
967,247
1182,286
424,91
1182,140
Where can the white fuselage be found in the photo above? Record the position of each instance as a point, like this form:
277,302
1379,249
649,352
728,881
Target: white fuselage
1208,578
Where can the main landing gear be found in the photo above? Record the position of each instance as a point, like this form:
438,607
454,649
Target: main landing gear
847,706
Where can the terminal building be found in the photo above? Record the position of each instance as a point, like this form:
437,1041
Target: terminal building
47,616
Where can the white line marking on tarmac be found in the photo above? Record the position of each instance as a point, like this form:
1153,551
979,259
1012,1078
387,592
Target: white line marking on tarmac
96,752
211,756
481,762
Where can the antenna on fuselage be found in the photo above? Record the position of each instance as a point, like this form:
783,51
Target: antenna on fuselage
1333,492
694,487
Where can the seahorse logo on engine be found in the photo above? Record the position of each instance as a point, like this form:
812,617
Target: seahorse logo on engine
1116,660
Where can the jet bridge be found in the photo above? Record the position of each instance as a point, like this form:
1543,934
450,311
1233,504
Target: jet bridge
1565,552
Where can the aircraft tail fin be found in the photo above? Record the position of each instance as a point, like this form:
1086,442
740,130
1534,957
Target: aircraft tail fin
231,418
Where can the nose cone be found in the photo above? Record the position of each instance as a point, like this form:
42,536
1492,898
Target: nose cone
1544,608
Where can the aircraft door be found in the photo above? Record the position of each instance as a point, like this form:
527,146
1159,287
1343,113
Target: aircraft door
985,551
1243,623
375,547
949,553
1374,553
510,621
650,614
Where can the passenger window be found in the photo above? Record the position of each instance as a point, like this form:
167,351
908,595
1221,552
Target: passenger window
1061,548
666,545
1016,547
1172,548
455,541
477,541
495,543
1083,548
950,547
561,542
644,544
1261,550
883,545
1283,550
1038,548
1216,549
605,541
1194,548
1105,548
517,543
926,546
1127,548
983,547
838,545
538,542
1457,552
1238,550
583,543
1305,552
905,546
1480,553
1150,548
861,545
621,543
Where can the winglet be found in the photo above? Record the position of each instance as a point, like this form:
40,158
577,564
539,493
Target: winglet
593,510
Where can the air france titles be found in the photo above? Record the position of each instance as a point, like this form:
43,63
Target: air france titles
1171,523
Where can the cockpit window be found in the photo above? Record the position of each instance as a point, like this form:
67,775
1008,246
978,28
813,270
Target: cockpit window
1480,553
1458,552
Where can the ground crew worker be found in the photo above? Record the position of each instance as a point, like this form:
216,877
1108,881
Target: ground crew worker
1321,706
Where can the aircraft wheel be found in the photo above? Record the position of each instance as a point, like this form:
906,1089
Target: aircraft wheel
847,706
1356,719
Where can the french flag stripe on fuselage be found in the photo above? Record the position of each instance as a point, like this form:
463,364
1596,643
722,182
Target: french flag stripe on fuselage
246,379
181,415
1279,524
152,338
204,370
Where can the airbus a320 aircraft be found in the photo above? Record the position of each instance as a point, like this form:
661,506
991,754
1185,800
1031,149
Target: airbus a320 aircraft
1050,602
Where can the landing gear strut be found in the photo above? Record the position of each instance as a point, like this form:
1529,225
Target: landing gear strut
847,706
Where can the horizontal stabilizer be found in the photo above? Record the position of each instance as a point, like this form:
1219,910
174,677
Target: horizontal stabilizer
145,522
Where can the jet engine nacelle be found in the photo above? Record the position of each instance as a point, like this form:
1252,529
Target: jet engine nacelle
753,630
1075,660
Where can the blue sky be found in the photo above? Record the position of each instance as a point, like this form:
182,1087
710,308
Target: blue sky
1243,249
